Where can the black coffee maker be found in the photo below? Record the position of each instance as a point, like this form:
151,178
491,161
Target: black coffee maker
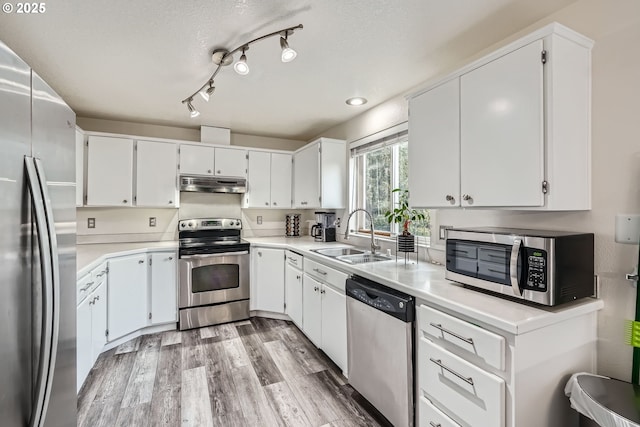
325,228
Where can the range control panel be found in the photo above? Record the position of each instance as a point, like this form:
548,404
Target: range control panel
537,269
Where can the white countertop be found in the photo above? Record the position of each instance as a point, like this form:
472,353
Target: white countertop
426,281
90,256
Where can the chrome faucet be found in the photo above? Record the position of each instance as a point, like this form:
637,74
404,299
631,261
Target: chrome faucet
374,247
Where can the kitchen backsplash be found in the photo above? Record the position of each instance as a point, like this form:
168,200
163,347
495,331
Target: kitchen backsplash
132,224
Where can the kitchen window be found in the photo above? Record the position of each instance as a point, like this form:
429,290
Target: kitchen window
379,164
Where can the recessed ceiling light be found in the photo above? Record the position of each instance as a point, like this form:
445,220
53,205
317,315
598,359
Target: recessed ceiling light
356,101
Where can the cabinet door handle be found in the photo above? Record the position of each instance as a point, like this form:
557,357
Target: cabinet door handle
208,170
124,201
97,298
450,199
434,425
322,291
218,171
468,380
315,289
446,331
317,270
466,197
170,258
170,202
298,277
266,203
141,261
259,253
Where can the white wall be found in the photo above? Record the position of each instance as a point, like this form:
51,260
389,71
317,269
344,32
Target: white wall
615,27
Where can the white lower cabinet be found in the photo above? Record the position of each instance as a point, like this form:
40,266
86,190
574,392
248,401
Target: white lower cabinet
325,310
293,287
164,295
267,280
127,302
471,374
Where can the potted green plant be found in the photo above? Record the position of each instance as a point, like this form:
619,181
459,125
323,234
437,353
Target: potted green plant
404,215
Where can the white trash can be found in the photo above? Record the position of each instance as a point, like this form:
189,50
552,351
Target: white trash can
603,401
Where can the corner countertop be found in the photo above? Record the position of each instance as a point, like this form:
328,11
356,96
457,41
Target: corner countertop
91,255
426,281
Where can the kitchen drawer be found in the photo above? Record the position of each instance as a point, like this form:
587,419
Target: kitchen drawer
83,287
98,275
475,396
430,416
465,338
325,274
295,260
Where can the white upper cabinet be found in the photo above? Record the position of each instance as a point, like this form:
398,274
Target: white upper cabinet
196,159
230,162
434,146
319,175
156,174
515,135
501,132
280,180
109,171
306,177
269,180
259,180
208,160
79,168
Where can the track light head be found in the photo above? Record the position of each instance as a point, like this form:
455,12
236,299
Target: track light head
206,93
288,54
194,113
241,66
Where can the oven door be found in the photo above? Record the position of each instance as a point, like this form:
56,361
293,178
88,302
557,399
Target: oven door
213,278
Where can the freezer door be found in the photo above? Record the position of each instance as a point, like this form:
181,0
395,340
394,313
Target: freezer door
53,142
15,245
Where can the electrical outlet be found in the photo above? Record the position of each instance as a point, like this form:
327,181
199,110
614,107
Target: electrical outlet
152,221
259,219
442,234
91,223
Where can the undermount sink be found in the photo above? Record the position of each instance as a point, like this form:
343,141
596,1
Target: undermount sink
363,258
338,252
351,255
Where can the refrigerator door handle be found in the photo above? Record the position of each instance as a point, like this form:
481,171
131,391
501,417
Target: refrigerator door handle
47,244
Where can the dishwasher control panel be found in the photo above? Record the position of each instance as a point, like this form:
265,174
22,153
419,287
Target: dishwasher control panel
380,297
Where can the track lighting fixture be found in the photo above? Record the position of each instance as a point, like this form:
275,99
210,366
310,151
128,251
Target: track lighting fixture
288,54
205,94
223,57
241,66
194,113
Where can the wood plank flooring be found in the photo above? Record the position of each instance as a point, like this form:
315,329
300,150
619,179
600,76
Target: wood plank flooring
259,372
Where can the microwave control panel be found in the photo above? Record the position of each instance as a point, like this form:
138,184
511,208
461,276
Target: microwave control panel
536,269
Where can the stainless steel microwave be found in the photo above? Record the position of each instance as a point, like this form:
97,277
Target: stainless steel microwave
544,267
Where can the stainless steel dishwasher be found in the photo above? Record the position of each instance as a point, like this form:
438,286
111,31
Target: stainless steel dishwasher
380,343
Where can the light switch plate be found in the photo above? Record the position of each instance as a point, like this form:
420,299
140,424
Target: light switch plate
442,234
259,220
91,223
152,221
628,228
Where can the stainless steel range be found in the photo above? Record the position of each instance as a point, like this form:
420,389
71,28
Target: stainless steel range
214,272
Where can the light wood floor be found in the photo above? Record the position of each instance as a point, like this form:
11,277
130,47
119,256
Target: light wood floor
261,372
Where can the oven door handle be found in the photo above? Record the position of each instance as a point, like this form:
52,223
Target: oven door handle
200,256
513,266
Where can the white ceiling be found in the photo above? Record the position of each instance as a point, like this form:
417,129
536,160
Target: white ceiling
136,60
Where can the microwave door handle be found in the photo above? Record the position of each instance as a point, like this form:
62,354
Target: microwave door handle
513,266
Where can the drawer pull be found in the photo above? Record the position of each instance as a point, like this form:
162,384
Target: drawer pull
87,286
446,331
434,425
317,270
438,362
293,260
101,273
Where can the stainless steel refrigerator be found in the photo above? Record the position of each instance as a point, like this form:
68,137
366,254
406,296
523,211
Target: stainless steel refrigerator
37,250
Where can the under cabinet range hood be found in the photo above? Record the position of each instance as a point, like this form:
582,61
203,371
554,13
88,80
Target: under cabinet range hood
212,184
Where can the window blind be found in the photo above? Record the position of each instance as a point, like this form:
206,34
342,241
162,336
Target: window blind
395,138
